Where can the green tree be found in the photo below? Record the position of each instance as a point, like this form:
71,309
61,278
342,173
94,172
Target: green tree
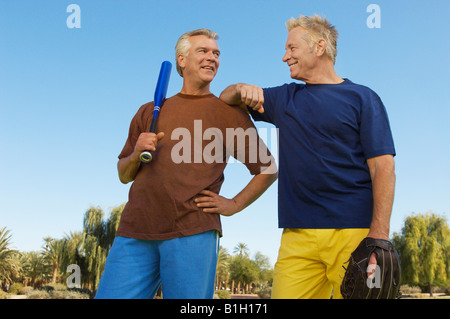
111,226
241,249
222,270
243,271
10,266
265,275
424,249
53,254
97,239
34,268
72,250
94,241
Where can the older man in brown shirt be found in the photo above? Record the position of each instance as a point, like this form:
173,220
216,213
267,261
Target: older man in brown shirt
168,233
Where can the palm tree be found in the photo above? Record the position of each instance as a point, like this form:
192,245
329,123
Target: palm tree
53,254
34,268
74,254
241,249
9,259
72,249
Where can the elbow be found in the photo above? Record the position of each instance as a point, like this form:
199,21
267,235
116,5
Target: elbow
273,177
123,180
123,177
271,173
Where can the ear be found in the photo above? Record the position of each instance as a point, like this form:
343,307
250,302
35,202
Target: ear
320,48
181,60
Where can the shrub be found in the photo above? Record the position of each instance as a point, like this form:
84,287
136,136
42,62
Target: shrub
57,294
2,294
76,295
265,293
58,286
38,294
49,292
25,290
54,287
67,294
223,294
15,288
83,291
408,290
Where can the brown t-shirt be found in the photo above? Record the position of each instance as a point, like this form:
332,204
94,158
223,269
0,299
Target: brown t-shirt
161,199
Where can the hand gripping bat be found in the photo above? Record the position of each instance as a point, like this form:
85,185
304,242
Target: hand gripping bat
160,97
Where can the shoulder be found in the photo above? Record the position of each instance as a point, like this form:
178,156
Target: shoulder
144,112
231,115
227,109
360,89
287,88
145,109
280,95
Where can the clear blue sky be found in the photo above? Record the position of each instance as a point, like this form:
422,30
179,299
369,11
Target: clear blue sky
67,97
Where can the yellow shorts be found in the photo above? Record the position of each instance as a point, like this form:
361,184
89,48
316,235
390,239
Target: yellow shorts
310,261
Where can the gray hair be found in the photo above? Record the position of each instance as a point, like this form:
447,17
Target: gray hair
183,45
317,28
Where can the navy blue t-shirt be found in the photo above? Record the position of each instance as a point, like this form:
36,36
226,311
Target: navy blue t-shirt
326,133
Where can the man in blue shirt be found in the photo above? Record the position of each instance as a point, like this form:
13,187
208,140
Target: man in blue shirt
336,169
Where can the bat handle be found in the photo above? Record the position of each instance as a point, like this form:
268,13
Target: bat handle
146,156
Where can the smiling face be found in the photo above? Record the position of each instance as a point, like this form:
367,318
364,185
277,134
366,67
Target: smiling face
299,56
201,63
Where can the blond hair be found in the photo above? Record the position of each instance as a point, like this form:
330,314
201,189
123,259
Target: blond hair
317,28
183,45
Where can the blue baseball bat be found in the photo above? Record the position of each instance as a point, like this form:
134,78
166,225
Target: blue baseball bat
160,97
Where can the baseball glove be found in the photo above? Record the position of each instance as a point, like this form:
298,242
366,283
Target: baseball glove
385,282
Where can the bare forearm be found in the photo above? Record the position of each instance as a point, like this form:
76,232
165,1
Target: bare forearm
128,167
383,188
213,203
231,95
255,188
244,95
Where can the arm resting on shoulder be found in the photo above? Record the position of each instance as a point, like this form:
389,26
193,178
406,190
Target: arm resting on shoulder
244,95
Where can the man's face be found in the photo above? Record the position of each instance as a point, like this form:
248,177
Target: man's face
202,61
299,56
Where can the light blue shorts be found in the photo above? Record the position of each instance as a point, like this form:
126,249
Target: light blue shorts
185,268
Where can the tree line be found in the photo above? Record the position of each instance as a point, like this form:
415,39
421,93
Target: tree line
423,246
89,248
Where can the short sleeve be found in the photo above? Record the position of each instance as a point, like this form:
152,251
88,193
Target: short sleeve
375,131
274,100
137,126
